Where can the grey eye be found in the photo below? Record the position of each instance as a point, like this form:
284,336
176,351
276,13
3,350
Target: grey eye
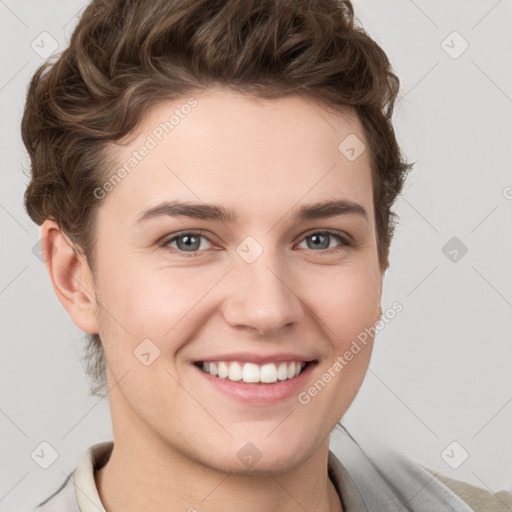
319,241
187,242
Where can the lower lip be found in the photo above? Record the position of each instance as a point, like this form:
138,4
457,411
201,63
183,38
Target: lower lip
260,392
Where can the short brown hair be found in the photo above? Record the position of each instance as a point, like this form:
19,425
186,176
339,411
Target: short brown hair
126,56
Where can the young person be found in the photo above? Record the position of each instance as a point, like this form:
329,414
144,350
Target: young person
214,184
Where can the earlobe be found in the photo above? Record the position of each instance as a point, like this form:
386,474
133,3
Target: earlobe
70,276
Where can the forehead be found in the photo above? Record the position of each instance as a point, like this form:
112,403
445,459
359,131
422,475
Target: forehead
248,153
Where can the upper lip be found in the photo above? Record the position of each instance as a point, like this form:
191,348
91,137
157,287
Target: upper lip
258,358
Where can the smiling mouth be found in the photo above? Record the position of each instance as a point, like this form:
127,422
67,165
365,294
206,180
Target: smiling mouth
251,373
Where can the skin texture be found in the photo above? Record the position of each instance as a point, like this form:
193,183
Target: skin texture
176,438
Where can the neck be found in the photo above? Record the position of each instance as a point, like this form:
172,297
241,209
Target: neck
149,476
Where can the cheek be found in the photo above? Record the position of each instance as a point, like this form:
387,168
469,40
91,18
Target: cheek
345,300
345,304
153,301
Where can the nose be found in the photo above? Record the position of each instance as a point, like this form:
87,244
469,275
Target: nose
262,297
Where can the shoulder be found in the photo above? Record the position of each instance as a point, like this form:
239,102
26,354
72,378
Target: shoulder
480,500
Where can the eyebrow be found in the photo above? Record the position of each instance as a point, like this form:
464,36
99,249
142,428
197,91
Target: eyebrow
219,213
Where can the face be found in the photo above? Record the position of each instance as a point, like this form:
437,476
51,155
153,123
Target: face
261,285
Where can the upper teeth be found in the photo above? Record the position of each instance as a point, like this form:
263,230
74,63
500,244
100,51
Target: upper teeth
250,372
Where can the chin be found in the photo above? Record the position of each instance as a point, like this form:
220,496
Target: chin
261,456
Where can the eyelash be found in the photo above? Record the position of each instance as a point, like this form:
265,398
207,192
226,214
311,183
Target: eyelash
164,244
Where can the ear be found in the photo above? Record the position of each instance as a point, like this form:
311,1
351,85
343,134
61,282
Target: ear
70,276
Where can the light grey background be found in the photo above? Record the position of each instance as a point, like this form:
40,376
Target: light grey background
440,371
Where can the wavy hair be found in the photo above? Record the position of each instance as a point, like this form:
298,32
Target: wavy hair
125,56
